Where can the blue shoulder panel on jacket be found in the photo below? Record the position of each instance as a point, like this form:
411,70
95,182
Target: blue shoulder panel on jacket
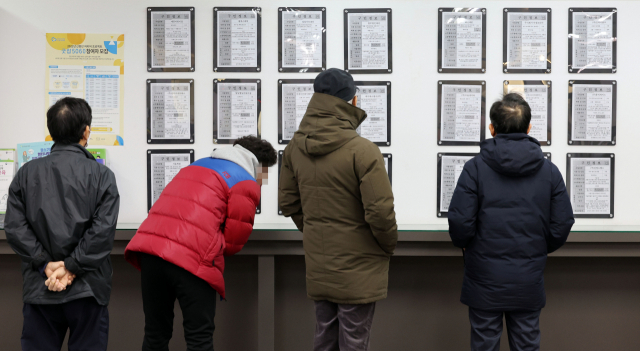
231,172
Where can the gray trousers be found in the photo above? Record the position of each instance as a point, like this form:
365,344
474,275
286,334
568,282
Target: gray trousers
342,327
523,329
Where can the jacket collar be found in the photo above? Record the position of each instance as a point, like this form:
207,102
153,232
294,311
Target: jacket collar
338,108
75,148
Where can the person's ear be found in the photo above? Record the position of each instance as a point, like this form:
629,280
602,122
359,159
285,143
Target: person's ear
85,136
354,102
492,130
529,129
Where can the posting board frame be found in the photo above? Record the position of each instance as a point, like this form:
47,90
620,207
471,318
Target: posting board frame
216,81
150,67
162,151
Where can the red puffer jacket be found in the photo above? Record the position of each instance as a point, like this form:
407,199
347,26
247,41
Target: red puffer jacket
205,212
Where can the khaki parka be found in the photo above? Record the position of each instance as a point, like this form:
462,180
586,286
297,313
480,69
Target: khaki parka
334,186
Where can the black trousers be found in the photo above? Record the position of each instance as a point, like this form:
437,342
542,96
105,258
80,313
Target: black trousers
45,326
523,328
343,327
162,284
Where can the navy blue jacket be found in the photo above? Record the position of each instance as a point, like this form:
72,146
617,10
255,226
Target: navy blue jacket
509,210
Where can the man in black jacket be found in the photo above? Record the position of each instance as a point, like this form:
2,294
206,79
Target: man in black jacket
509,210
61,220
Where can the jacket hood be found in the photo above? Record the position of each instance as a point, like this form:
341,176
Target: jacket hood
329,123
514,155
240,156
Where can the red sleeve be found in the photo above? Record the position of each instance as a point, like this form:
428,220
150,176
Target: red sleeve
241,211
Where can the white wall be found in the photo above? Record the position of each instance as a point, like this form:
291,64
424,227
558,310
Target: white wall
23,24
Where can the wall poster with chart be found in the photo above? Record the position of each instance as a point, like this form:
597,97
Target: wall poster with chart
170,112
593,40
461,112
236,109
375,99
293,97
526,40
367,41
590,183
462,40
91,67
171,39
237,39
302,39
162,166
592,112
450,166
537,93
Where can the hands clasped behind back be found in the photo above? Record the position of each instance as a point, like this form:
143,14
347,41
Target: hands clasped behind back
58,277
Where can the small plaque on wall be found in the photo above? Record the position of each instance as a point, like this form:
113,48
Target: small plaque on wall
170,109
302,39
591,183
367,41
593,40
171,39
375,99
450,167
237,39
592,112
236,109
461,112
462,40
526,40
162,166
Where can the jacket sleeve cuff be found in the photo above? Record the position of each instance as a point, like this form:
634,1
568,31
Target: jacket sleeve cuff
40,260
72,266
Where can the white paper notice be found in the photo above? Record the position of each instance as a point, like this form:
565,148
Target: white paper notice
461,40
295,99
237,110
451,169
7,170
591,185
368,41
302,39
373,100
536,96
164,168
170,111
461,110
237,39
102,92
592,36
171,35
527,40
592,112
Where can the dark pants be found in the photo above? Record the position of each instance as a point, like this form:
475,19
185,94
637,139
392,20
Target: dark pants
162,284
343,327
523,328
45,326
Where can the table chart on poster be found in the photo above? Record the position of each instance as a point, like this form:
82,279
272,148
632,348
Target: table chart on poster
171,39
593,39
237,38
592,112
170,110
451,167
590,185
295,99
460,113
537,94
237,110
163,168
373,100
368,40
527,40
462,40
302,37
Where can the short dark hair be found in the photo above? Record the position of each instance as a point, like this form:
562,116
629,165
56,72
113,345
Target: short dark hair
265,153
67,120
512,114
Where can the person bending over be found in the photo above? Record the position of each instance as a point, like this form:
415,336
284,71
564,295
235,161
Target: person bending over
205,213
